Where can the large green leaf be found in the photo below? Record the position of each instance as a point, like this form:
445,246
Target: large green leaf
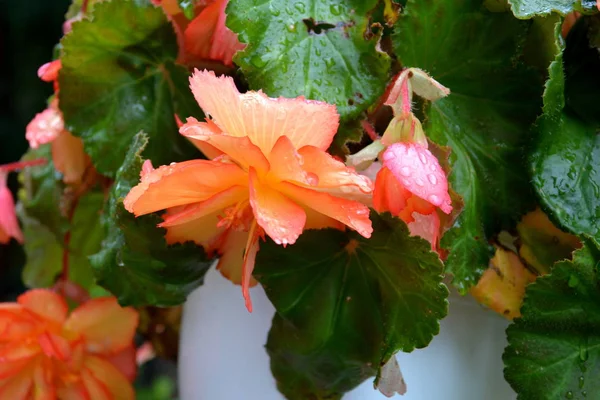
118,77
485,120
345,304
324,50
135,263
532,8
42,211
565,166
554,349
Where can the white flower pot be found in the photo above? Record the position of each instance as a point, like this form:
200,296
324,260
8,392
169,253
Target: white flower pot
222,355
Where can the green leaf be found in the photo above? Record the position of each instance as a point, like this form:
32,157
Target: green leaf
118,77
187,6
323,50
41,210
565,168
485,119
135,263
346,304
532,8
554,349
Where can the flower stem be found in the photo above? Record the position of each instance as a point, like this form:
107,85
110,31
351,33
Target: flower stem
22,164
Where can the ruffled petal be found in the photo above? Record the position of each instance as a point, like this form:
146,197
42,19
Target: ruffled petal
44,128
419,172
16,323
216,203
264,119
427,227
110,378
69,158
45,304
193,128
239,149
350,213
389,195
281,218
54,346
106,327
182,183
9,224
335,177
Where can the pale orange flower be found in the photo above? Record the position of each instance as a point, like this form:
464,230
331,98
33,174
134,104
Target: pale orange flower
206,37
411,185
46,354
9,225
270,173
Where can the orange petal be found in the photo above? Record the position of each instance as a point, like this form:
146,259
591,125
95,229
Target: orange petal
54,346
232,256
427,227
69,158
125,362
239,149
287,164
282,219
420,172
202,231
44,128
207,37
216,203
104,375
46,304
389,195
11,368
249,261
350,213
316,220
182,183
193,128
106,327
16,324
9,224
95,389
334,176
18,387
43,383
74,390
264,119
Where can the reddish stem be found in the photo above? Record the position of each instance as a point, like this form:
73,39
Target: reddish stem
22,164
405,93
366,125
84,6
66,242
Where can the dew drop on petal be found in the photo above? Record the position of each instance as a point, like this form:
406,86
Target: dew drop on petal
389,155
405,171
423,158
433,199
432,179
419,182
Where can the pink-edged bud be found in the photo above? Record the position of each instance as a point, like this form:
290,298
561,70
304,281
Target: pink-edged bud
9,224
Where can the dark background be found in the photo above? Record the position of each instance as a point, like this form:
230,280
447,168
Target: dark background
29,31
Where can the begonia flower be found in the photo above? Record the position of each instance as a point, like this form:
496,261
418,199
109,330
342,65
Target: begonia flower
269,174
48,127
47,353
205,37
9,224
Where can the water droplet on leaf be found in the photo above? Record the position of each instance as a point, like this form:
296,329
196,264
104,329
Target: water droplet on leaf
335,9
258,61
300,7
581,382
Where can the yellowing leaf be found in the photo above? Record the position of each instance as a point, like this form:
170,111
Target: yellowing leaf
502,285
543,244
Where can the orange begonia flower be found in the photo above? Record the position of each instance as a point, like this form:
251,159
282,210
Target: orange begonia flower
206,37
270,173
47,354
9,225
